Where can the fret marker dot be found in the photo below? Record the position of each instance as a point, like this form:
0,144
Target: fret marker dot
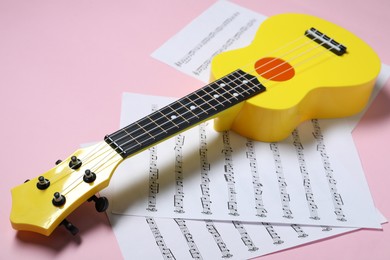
245,81
173,117
192,107
235,94
216,96
222,84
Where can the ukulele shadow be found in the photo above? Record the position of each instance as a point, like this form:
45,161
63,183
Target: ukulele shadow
379,108
135,193
61,238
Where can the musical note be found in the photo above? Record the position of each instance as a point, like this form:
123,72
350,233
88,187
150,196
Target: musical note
257,186
153,175
179,187
193,249
271,231
229,174
297,228
204,171
166,252
218,239
305,175
284,196
245,236
332,183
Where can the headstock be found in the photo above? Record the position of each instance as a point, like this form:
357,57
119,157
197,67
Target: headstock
41,204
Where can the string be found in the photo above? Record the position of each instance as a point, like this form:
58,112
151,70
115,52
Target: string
249,63
113,151
237,79
288,61
307,42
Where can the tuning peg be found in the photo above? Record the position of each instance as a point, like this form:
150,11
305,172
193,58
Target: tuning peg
89,176
70,227
101,204
58,199
43,183
75,163
58,161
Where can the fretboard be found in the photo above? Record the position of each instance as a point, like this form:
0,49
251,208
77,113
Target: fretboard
185,113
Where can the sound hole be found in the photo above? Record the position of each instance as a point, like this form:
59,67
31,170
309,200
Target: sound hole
274,69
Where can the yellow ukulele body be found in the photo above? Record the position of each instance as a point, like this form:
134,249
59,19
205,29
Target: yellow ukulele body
320,83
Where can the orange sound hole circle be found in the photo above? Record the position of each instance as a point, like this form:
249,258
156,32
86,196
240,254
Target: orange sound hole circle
274,69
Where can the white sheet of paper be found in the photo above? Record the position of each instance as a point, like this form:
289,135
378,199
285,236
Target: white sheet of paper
307,179
164,238
192,49
224,26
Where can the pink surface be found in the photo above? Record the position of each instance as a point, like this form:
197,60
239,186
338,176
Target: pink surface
64,66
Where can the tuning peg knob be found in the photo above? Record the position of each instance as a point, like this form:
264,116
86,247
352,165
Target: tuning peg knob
70,227
43,183
75,163
101,204
58,162
89,176
58,199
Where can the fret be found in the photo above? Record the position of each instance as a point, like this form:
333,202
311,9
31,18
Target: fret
201,100
226,88
154,128
185,112
167,116
190,108
198,104
150,129
154,124
123,138
162,124
215,97
129,134
173,115
240,81
147,131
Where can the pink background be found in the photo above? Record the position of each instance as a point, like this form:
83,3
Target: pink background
64,66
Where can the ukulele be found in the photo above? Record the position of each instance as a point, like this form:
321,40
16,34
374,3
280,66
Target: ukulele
298,67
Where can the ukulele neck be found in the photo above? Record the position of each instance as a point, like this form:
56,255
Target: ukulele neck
198,106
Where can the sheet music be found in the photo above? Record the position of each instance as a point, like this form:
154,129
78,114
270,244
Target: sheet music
307,179
222,27
164,238
152,237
